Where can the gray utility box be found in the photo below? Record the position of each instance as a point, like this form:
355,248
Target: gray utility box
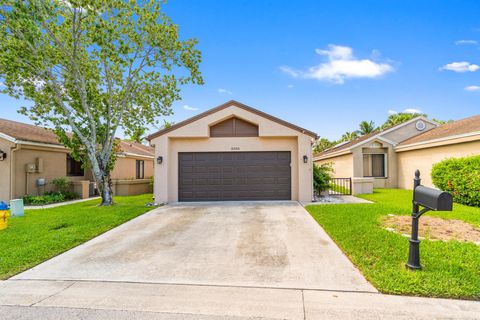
16,208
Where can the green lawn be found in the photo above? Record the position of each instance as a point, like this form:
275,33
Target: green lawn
450,269
45,233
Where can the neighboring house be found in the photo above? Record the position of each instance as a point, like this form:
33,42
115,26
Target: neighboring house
390,157
32,153
233,152
452,140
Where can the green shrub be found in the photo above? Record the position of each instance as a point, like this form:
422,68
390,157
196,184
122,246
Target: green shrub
460,177
70,195
62,184
49,198
322,175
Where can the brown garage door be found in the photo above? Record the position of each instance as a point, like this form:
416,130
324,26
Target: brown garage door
216,176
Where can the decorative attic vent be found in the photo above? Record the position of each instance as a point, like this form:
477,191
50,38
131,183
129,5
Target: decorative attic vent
376,144
234,127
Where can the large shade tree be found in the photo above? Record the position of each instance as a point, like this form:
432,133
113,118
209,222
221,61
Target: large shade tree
93,67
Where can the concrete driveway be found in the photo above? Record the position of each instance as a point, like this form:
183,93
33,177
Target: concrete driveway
257,244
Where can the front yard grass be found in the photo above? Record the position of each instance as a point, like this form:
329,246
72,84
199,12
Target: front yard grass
450,269
45,233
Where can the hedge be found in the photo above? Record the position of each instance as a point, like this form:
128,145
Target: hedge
460,177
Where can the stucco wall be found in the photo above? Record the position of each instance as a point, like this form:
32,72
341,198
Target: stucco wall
5,146
407,131
423,159
342,165
125,168
54,166
390,181
194,137
131,187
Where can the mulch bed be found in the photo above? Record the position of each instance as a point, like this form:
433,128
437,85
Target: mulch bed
434,228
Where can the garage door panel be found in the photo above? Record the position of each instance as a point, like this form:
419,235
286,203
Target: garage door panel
210,176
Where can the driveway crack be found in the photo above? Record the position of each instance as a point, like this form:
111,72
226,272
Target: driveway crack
53,294
303,303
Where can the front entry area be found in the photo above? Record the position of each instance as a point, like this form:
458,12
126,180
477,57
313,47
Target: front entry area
228,176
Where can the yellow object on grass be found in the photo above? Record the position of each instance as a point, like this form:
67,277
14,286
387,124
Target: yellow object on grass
4,215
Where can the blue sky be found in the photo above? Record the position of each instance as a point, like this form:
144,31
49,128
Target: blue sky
327,65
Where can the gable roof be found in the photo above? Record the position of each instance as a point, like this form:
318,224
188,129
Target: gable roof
224,106
362,139
18,131
346,145
27,132
135,148
459,127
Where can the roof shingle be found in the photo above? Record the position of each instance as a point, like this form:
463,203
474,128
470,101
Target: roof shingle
136,148
27,132
344,146
464,126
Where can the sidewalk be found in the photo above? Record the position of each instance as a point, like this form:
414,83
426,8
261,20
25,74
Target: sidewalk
34,299
59,204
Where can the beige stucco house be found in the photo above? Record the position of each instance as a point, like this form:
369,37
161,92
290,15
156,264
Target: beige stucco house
389,158
31,154
233,152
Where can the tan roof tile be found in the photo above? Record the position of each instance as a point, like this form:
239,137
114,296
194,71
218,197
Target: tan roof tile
464,126
346,145
27,132
136,148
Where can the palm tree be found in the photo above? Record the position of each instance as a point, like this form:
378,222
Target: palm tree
401,117
322,144
366,127
349,136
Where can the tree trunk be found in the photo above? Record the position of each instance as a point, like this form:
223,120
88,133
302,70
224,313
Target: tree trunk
106,190
101,174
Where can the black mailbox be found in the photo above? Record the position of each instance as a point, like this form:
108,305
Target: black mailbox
433,199
429,199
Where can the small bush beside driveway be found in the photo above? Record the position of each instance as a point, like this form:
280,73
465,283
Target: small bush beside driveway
450,268
45,233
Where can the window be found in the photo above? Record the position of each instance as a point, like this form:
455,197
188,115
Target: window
74,168
374,165
140,169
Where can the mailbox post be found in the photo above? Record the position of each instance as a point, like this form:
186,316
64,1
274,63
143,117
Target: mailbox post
429,199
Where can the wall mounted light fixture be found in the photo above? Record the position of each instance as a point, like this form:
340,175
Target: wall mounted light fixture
305,159
159,159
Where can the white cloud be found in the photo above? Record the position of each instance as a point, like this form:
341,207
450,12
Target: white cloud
460,42
186,107
472,88
290,86
406,110
291,72
412,110
224,91
341,65
462,66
